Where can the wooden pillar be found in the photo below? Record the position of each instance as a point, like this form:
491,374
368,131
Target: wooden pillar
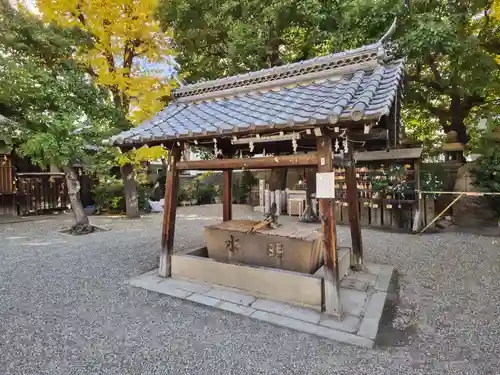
227,201
419,215
352,199
331,295
169,210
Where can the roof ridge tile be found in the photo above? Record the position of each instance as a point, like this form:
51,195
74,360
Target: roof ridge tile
371,52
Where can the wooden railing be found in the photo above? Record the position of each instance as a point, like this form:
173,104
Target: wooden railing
39,192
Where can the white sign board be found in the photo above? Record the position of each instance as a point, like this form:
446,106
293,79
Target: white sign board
325,185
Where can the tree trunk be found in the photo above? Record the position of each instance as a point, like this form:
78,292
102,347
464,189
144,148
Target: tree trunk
277,181
458,115
130,191
310,182
81,217
458,125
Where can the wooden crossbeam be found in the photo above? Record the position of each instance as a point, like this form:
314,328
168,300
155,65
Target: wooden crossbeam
300,160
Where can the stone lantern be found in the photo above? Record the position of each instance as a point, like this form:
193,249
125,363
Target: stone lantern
453,150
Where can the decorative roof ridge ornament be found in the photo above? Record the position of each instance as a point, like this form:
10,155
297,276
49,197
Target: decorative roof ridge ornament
383,50
389,32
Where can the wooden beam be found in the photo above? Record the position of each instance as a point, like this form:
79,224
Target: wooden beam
374,134
356,127
169,210
300,160
352,200
227,201
327,213
394,154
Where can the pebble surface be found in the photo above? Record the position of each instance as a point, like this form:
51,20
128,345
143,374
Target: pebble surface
65,307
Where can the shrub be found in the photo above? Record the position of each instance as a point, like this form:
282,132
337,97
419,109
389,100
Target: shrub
239,193
205,194
487,174
487,168
247,181
199,191
433,177
183,193
109,196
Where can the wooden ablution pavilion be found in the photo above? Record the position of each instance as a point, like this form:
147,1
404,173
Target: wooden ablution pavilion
316,113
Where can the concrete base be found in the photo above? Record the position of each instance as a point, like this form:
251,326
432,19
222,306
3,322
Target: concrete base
286,286
362,295
344,261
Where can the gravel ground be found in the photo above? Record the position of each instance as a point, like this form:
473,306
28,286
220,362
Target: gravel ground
65,307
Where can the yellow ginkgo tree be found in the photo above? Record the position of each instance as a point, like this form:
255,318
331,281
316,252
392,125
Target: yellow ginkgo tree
129,53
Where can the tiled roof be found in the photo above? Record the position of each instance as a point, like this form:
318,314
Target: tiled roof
357,85
289,71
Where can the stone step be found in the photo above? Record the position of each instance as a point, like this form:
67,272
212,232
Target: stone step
344,259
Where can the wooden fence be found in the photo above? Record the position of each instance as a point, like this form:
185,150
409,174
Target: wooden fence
389,214
41,192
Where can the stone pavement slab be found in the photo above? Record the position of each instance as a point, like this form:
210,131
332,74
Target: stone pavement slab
362,308
298,325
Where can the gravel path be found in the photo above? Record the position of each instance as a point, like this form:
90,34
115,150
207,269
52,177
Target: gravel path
65,307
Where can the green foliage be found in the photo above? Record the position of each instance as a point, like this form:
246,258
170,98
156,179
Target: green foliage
241,193
57,114
487,174
204,153
248,179
109,196
141,156
452,77
225,37
392,180
184,193
205,193
199,190
433,177
487,168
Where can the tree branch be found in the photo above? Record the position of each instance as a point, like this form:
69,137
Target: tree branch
472,101
80,16
442,113
426,82
128,56
486,17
